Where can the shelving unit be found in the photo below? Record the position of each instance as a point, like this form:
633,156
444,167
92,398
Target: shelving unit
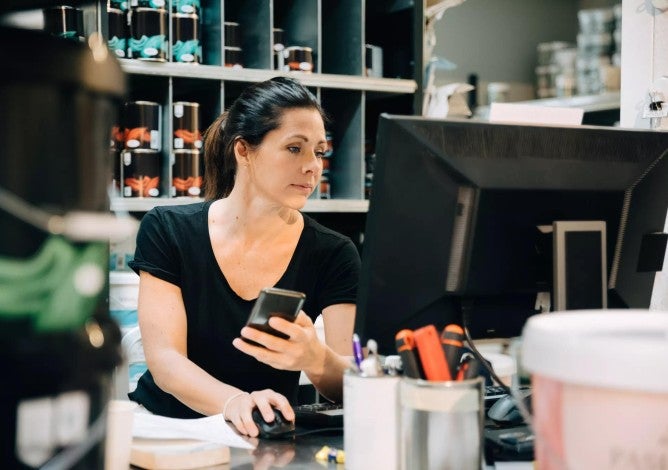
337,31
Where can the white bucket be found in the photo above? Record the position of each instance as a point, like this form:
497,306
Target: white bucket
123,298
600,388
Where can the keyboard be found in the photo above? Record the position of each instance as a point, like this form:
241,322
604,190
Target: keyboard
319,415
328,415
494,392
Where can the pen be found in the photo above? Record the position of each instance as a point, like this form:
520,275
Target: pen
452,339
357,350
410,362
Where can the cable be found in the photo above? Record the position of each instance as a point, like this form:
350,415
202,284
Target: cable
318,430
479,356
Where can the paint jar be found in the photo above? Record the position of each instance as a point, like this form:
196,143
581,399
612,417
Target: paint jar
65,22
187,172
118,32
277,48
185,122
140,173
298,59
232,34
325,188
141,121
148,34
233,57
186,46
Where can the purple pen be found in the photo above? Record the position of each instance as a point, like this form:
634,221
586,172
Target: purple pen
357,350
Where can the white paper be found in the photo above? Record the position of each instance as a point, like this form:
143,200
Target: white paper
210,429
533,114
449,101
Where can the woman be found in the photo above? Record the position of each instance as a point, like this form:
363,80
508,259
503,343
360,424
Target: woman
203,265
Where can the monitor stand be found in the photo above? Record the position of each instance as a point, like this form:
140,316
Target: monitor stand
579,265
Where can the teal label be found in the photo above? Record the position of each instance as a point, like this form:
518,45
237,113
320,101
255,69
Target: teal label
187,51
157,4
118,45
154,47
119,4
186,6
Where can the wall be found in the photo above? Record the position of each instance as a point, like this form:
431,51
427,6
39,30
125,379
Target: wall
497,39
645,32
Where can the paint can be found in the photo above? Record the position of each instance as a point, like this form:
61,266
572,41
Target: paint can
148,34
277,48
118,32
65,22
186,6
140,173
233,57
185,43
141,120
187,172
298,59
185,122
115,157
232,34
325,188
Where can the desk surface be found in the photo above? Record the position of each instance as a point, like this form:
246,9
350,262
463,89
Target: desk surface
297,453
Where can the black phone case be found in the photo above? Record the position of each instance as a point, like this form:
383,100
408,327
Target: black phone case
275,302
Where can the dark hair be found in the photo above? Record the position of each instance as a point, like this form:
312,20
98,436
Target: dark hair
257,111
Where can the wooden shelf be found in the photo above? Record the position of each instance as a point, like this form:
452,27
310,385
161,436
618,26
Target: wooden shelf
120,204
321,80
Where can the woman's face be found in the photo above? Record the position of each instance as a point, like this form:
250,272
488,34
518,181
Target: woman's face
287,165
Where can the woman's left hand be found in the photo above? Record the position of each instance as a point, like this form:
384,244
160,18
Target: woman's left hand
301,351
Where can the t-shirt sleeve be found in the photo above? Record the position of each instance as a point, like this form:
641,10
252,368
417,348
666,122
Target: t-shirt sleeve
338,283
155,252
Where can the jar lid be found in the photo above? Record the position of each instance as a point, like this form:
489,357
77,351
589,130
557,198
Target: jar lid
619,349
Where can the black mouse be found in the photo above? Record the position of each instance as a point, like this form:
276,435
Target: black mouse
279,428
505,411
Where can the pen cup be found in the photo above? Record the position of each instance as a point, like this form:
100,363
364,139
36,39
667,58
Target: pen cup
371,421
441,424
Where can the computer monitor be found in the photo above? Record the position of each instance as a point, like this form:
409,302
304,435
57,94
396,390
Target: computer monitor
460,211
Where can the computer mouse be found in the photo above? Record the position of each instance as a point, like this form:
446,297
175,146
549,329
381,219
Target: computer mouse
279,428
505,411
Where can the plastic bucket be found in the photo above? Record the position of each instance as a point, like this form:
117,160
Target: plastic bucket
600,388
123,298
55,396
58,345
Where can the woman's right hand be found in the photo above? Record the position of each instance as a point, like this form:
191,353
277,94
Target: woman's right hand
239,410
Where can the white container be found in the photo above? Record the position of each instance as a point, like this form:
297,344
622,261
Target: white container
600,388
123,298
371,421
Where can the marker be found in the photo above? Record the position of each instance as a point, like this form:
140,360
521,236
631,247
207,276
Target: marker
410,362
357,350
469,367
431,354
452,339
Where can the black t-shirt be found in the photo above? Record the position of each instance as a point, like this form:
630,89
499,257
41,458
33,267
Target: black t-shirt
173,244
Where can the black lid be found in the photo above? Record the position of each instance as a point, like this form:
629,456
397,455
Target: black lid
37,56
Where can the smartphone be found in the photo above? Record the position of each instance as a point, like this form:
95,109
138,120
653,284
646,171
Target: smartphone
274,302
